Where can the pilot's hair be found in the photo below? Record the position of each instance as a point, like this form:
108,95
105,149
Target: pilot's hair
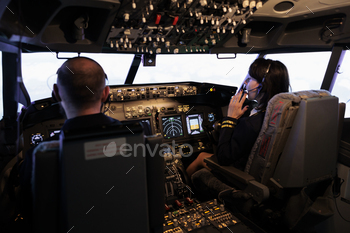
82,86
272,76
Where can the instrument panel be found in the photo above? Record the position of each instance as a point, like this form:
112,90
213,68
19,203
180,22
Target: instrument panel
179,112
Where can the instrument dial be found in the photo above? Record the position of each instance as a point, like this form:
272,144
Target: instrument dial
37,138
211,117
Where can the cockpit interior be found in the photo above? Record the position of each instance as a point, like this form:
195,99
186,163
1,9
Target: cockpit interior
297,178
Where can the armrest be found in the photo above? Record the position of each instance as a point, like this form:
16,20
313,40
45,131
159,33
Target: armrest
240,179
233,174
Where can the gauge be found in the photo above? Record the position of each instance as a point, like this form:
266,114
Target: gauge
211,117
37,138
172,126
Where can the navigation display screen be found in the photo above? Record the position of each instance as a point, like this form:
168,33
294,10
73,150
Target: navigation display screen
194,124
172,127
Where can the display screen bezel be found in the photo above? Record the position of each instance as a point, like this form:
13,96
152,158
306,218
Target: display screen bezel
188,130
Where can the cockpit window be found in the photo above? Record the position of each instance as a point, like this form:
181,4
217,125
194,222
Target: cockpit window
306,70
196,67
341,87
39,70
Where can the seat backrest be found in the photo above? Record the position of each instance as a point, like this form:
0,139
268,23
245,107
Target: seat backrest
288,116
99,175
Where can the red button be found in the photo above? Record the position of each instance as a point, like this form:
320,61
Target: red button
175,20
158,18
166,207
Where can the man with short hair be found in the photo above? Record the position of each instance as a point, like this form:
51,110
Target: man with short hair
81,90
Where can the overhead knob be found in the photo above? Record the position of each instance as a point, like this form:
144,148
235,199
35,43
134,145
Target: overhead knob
126,17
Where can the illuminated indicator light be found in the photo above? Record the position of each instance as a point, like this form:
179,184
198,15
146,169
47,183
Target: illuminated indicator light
217,208
195,30
252,4
206,212
158,18
245,3
170,223
175,20
259,5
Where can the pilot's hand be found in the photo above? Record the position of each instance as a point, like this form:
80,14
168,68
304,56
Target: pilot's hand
235,107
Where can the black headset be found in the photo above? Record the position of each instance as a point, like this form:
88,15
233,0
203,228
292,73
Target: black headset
263,80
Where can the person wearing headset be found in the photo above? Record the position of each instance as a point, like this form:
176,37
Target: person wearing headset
80,89
237,135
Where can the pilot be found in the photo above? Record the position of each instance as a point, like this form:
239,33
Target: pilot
80,89
237,136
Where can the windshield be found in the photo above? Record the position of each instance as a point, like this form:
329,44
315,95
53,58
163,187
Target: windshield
306,70
196,67
39,70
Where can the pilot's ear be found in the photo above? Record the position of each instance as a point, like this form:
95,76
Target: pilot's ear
56,93
105,94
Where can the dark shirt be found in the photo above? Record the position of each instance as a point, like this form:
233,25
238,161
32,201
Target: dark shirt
80,122
236,143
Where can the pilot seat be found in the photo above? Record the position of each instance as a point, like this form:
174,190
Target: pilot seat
287,181
98,180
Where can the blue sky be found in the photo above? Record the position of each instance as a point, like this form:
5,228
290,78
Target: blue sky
306,71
